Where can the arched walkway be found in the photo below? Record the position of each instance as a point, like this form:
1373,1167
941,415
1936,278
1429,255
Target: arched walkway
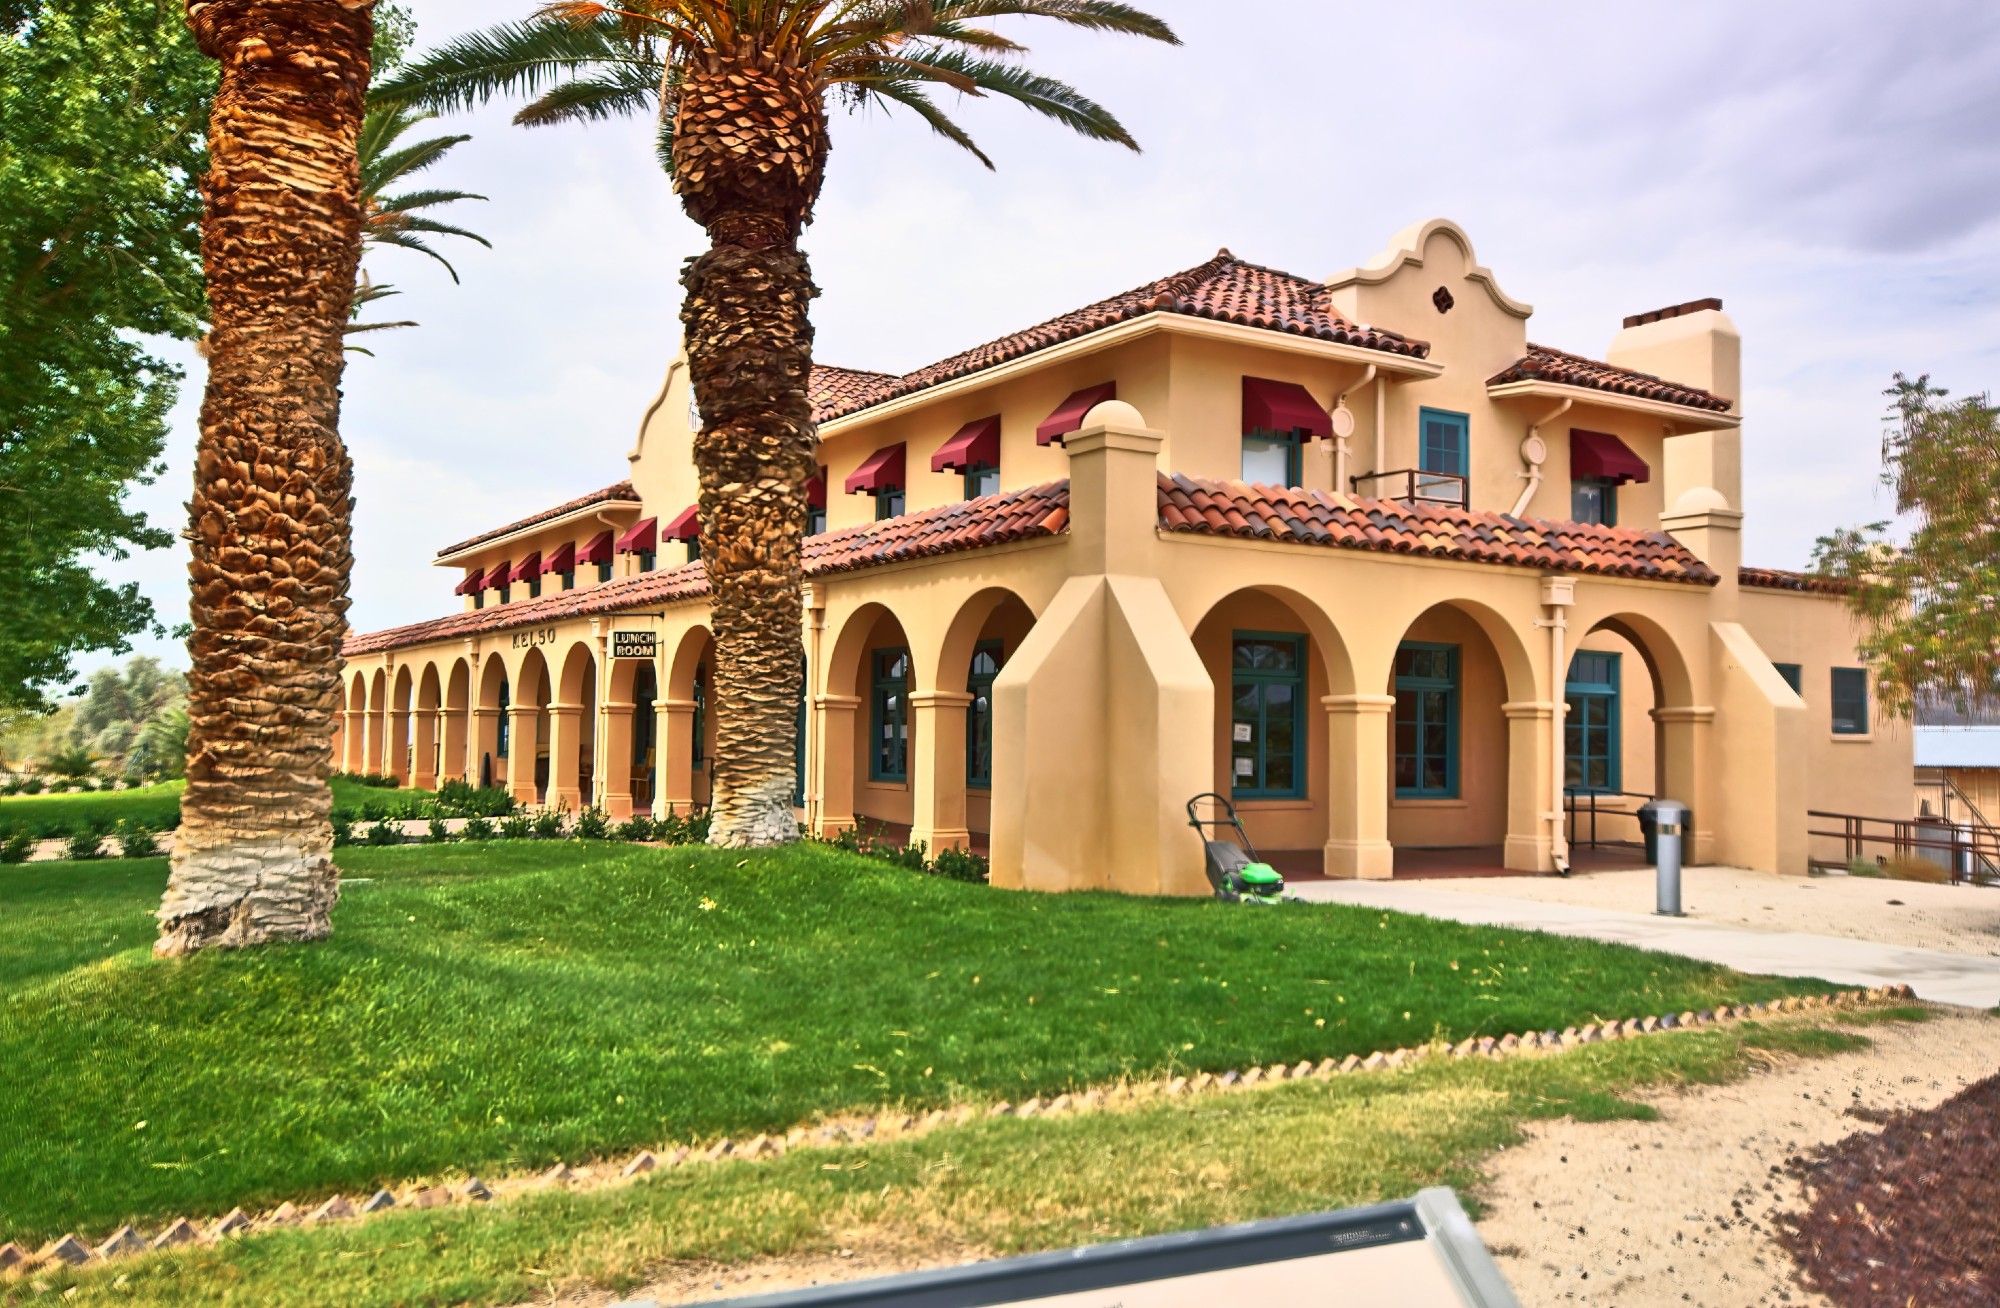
528,729
492,723
1631,731
457,722
376,759
426,730
865,721
354,743
572,730
401,701
687,728
953,720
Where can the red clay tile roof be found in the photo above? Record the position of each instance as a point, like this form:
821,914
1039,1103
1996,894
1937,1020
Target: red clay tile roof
1780,579
1542,363
1307,517
1015,515
614,492
1225,289
834,388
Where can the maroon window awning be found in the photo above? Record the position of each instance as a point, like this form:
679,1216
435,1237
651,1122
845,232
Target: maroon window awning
977,445
562,558
598,550
531,566
685,527
816,489
1600,456
469,583
1283,406
880,471
642,537
496,576
1069,415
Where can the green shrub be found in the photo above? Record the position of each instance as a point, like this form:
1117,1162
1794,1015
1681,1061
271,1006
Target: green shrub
516,827
458,799
32,786
135,840
385,833
591,824
959,865
636,828
437,833
374,811
15,846
343,829
548,824
85,844
477,828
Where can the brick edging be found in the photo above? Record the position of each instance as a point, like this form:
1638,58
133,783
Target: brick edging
895,1124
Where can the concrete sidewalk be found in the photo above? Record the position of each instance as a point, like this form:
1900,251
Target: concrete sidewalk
1944,978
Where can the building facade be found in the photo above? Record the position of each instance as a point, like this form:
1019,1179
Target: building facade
1353,551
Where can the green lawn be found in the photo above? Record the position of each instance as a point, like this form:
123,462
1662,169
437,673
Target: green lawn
159,806
501,1006
991,1188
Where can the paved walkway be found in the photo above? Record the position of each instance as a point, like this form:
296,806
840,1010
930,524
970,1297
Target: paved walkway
1942,977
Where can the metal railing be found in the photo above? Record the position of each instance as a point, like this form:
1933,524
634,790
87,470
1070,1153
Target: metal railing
1418,486
1580,805
1966,851
1948,795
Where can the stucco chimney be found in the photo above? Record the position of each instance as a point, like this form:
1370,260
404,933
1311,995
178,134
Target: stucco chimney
1114,508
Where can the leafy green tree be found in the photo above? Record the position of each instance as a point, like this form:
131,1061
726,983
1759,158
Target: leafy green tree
1929,602
160,752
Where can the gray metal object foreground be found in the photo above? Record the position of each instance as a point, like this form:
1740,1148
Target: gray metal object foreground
1664,822
1214,1267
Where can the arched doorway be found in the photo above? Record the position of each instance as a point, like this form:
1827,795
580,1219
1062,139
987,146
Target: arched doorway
493,723
427,749
954,724
1628,736
867,725
457,722
528,716
572,726
687,745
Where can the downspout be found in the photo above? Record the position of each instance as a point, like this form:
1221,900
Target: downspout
1533,452
1557,595
1381,423
1340,452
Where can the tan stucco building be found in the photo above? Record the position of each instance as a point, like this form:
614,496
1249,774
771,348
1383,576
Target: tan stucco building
1352,550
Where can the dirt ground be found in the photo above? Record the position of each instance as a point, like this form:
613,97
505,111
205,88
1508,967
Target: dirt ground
1909,914
1679,1211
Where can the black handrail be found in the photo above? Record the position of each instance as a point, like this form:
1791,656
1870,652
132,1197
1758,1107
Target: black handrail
1571,794
1420,487
1970,848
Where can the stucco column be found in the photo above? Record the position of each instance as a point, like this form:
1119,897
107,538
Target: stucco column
452,730
673,761
397,764
614,783
1687,733
1357,788
485,745
833,717
937,772
523,743
1531,742
423,761
376,756
565,768
354,741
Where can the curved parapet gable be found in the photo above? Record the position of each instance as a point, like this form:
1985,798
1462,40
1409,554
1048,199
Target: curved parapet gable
1408,248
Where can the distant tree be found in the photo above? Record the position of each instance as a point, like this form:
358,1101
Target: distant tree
74,762
160,752
1929,603
393,218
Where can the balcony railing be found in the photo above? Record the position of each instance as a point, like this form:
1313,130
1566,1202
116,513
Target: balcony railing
1414,486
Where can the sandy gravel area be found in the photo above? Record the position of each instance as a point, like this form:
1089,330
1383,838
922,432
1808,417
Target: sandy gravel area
1679,1211
1909,914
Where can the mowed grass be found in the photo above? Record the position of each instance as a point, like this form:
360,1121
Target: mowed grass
502,1006
992,1188
159,806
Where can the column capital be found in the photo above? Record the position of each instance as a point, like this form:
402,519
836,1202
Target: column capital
1696,713
1528,708
940,698
837,703
566,710
674,706
1358,703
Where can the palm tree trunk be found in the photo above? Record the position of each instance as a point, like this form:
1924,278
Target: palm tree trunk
750,150
270,532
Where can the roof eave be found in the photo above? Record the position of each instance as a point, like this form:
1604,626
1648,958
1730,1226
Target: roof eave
1686,417
1124,333
464,554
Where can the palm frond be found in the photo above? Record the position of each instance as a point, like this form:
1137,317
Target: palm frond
409,200
519,59
1045,95
1093,15
625,91
380,171
404,240
913,97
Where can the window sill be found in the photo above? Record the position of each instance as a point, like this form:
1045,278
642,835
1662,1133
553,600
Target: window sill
1275,803
874,784
1427,801
1852,737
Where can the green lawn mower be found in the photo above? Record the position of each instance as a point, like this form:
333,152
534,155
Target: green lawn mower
1238,875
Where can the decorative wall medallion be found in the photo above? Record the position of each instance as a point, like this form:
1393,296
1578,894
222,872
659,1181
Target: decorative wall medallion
1442,299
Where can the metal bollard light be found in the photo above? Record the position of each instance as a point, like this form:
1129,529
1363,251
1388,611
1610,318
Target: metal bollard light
1665,820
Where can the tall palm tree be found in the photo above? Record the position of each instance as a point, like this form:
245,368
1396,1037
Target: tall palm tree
740,91
269,518
399,220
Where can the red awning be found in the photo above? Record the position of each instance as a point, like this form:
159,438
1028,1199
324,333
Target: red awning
977,445
1070,413
496,576
685,527
1600,456
816,489
528,567
469,583
598,550
562,558
883,470
642,537
1283,406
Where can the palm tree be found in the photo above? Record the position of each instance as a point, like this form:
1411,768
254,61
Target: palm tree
740,91
399,220
269,518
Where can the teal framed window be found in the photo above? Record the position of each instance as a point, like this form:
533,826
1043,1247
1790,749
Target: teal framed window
815,519
1794,675
888,503
889,716
646,560
1444,442
569,578
700,749
535,586
506,732
981,480
478,599
1591,747
986,660
1592,499
1427,693
1267,715
1272,458
604,572
694,548
1850,701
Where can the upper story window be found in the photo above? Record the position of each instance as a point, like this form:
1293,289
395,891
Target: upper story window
1794,675
1594,500
1599,463
881,475
1850,701
478,599
981,480
974,452
816,503
1444,443
642,539
535,585
889,503
1278,419
604,572
568,578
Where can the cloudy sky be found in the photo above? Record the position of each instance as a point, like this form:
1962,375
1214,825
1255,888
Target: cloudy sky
1831,168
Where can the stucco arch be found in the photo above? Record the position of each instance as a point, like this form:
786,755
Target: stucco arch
531,679
430,688
378,692
458,687
405,689
494,682
578,680
695,647
357,692
872,624
944,664
1673,682
1524,675
1329,650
